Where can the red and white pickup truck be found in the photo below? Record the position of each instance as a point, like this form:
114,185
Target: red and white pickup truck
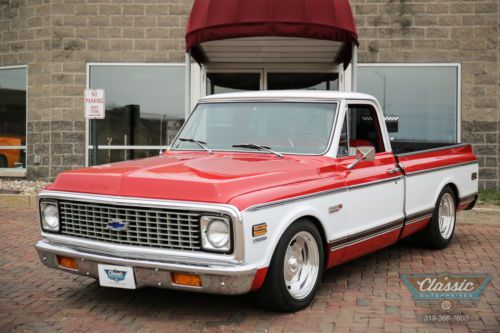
260,192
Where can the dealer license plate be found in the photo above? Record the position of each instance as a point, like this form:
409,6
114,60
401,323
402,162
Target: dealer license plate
116,276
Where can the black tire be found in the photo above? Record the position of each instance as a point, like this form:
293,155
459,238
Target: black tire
274,293
431,237
3,161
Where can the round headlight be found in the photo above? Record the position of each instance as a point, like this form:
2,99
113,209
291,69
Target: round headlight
218,233
50,217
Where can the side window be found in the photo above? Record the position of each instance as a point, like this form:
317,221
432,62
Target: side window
364,129
344,141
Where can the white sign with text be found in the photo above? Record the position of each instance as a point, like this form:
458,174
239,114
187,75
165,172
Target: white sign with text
94,104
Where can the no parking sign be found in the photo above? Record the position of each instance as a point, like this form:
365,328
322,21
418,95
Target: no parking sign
94,104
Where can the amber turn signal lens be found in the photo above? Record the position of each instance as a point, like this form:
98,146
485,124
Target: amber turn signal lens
259,230
186,279
67,262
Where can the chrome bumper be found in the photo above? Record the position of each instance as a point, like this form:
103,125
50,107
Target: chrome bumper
217,279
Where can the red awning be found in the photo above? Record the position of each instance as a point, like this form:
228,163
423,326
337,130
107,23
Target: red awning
328,20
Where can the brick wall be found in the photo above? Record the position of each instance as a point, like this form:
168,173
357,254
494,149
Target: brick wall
56,38
463,32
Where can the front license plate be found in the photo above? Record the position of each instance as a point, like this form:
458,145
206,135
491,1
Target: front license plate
116,276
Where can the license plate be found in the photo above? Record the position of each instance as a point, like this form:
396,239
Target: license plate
116,276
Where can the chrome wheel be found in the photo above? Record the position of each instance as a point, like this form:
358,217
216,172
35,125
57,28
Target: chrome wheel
446,215
301,265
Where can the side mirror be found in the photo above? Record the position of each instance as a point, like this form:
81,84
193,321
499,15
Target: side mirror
363,153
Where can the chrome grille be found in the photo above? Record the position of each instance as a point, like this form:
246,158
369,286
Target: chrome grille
150,227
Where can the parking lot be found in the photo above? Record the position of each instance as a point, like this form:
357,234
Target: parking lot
362,296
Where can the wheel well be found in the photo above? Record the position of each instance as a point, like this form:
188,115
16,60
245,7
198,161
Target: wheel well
454,189
321,230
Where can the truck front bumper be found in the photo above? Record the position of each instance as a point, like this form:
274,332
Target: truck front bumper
218,279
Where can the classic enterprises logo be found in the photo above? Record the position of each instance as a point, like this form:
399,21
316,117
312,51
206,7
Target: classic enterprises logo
447,289
116,275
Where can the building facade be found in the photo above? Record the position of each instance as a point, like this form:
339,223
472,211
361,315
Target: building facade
434,64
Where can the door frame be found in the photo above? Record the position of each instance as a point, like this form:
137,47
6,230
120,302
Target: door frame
265,68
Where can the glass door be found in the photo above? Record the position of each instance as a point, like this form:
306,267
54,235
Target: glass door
224,82
302,81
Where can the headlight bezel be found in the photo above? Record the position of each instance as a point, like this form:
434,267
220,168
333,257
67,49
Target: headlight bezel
43,204
206,244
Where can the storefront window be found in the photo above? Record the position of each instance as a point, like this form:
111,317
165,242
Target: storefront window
145,108
424,97
12,117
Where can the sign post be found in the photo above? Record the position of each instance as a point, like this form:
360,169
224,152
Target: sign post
94,109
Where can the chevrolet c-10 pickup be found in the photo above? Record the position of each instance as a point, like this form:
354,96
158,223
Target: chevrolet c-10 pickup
260,192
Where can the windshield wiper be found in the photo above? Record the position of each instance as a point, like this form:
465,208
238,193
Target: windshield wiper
198,142
257,147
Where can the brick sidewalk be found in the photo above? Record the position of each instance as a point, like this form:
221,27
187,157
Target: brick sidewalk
362,296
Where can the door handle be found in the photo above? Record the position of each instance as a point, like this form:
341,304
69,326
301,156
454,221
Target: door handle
393,170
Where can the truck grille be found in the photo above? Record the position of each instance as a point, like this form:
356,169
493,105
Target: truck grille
150,227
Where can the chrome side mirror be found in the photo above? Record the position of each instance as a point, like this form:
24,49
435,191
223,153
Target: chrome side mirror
363,153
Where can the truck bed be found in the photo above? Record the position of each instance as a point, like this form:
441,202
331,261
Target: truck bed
409,147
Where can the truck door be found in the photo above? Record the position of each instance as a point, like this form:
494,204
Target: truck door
375,189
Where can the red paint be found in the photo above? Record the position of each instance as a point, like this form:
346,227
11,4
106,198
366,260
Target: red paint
414,227
212,20
259,279
193,176
241,179
370,245
436,159
334,257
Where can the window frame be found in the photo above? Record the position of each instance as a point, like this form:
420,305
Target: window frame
18,172
266,68
88,146
458,67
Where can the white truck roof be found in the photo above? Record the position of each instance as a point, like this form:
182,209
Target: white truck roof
287,94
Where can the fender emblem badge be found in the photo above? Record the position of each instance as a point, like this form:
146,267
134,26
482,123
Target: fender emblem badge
335,208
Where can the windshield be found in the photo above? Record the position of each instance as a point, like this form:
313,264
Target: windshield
285,127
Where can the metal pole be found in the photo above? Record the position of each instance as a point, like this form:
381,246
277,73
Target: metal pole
354,79
94,139
188,83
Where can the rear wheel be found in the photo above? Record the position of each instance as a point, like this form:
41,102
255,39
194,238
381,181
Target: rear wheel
296,269
439,232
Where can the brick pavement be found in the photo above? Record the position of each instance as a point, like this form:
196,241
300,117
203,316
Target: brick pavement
362,296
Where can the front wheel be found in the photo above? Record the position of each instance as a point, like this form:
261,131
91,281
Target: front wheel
296,269
441,227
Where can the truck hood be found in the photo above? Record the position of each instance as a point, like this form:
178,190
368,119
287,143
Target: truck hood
192,176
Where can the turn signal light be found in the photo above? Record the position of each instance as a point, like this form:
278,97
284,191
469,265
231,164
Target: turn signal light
67,262
186,279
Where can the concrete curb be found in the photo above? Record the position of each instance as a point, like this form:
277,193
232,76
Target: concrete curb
18,201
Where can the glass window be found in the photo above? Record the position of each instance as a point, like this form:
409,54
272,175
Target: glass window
117,155
13,117
303,81
364,129
425,98
145,105
218,83
300,128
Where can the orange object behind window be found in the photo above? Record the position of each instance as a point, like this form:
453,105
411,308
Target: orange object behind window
13,156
